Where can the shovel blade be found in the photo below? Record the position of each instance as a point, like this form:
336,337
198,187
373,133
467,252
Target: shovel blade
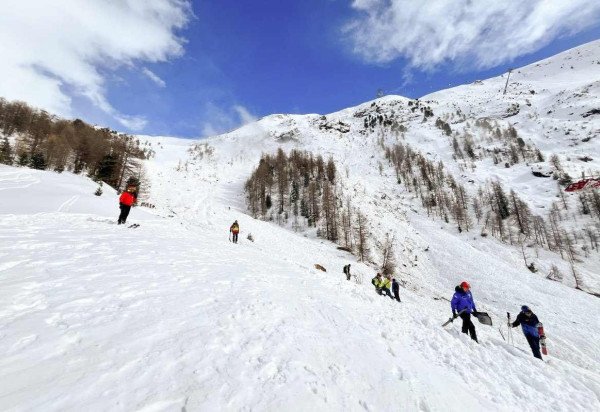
484,318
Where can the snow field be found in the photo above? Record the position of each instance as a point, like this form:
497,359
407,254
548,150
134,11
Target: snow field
170,315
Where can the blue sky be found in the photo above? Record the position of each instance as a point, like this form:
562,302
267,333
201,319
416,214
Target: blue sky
209,66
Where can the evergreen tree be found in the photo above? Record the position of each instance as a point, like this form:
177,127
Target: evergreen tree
5,152
23,159
303,208
388,264
107,169
294,193
501,200
468,145
362,242
38,161
331,170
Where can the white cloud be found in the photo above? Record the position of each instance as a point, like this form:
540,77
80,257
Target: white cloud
154,77
224,120
482,33
53,50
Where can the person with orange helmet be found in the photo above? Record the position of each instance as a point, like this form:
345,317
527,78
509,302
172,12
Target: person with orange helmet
463,305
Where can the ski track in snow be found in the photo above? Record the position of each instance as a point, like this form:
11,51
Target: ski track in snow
17,179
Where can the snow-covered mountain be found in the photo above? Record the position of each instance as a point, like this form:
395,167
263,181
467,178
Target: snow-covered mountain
172,316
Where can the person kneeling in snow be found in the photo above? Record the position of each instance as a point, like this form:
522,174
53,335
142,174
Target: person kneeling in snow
462,302
382,285
375,282
126,200
529,324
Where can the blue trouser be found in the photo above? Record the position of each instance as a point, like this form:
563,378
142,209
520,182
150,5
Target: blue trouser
534,344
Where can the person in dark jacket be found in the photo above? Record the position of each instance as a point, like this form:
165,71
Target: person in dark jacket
529,324
235,230
126,200
462,303
347,271
396,290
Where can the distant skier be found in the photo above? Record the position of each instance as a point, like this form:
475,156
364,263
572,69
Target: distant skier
235,230
396,290
462,302
126,200
347,271
529,323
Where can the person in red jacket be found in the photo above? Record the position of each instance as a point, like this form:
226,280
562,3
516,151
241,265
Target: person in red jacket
126,200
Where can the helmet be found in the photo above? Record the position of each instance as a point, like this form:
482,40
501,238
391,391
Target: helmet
465,285
525,308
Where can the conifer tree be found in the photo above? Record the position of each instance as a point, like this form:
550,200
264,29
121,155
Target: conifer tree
5,152
38,161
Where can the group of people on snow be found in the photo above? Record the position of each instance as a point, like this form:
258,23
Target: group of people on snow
129,197
462,302
463,306
382,286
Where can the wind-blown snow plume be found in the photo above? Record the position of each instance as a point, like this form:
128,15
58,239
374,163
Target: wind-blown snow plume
225,119
73,45
484,32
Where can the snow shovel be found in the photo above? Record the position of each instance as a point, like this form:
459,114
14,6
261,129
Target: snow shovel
452,318
484,318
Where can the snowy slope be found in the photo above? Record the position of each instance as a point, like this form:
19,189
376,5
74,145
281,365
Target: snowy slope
553,97
172,316
542,120
55,193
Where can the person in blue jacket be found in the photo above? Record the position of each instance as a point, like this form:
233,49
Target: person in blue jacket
529,324
462,303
